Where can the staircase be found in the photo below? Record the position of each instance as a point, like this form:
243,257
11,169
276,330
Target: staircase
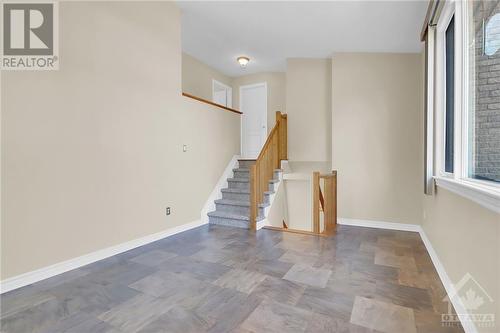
234,207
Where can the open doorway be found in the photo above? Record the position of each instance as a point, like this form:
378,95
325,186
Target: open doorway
222,94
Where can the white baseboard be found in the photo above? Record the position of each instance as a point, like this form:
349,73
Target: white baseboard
62,267
216,192
379,224
261,224
468,326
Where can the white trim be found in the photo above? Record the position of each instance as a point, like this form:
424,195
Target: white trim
440,87
65,266
468,326
253,85
379,224
429,135
216,193
486,196
463,85
229,92
458,134
261,224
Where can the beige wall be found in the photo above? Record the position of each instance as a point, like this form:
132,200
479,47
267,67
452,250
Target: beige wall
275,92
308,104
377,140
197,77
466,237
92,153
377,149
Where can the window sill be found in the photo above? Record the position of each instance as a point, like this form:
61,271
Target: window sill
486,196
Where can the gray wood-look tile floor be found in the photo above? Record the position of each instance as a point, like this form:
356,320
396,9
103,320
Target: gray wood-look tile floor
222,279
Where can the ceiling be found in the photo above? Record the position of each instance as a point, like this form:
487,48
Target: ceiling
270,32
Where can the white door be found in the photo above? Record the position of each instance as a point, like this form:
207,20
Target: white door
253,104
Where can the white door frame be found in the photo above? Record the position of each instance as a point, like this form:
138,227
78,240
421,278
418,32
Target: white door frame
254,85
229,92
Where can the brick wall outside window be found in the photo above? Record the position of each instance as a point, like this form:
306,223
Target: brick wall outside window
485,117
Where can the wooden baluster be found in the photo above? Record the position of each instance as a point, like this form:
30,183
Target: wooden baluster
275,152
262,175
277,158
284,124
257,182
278,123
315,184
269,162
334,190
328,213
253,197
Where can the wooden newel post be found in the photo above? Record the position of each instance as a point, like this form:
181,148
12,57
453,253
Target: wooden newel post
279,137
329,204
315,203
253,197
334,198
284,144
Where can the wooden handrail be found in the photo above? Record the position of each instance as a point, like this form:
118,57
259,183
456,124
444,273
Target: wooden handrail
211,103
269,159
327,203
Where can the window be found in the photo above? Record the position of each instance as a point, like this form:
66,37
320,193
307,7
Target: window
464,76
483,158
450,95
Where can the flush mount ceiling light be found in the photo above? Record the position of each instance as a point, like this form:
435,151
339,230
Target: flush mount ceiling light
243,61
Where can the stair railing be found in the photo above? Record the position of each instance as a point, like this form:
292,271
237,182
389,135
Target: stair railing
270,157
326,204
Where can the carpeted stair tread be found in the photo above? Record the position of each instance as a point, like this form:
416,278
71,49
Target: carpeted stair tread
237,203
242,191
231,216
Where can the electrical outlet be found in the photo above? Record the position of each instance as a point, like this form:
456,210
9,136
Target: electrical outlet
168,210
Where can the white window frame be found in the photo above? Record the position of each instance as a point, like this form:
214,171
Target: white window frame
444,20
483,192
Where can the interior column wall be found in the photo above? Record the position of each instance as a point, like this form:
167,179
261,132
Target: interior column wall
377,144
308,104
